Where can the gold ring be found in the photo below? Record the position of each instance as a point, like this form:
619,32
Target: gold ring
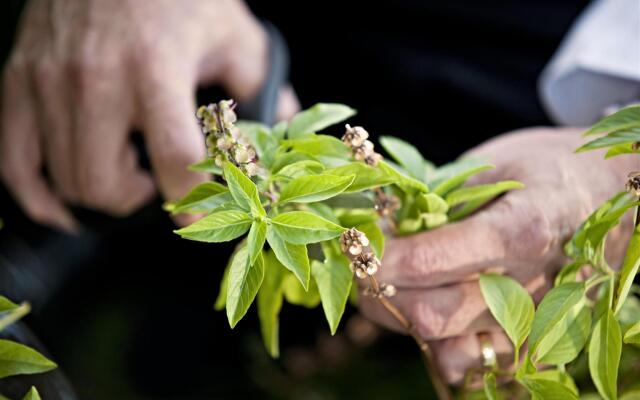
487,351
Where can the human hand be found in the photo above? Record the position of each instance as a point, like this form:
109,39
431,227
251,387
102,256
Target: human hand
83,74
521,234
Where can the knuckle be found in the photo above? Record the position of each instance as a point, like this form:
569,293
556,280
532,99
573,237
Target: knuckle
533,234
429,323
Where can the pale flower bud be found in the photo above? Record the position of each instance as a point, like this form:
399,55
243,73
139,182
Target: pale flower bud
633,184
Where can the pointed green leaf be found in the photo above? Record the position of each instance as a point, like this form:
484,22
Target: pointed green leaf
605,349
303,227
620,149
356,216
490,386
334,279
243,190
221,226
285,159
626,118
632,336
317,118
262,140
432,203
568,273
17,359
319,146
313,188
255,239
207,165
279,129
293,256
366,177
565,341
550,385
406,155
553,307
297,295
510,305
471,193
629,269
221,300
32,394
244,281
300,168
6,304
612,139
453,175
406,183
270,303
202,198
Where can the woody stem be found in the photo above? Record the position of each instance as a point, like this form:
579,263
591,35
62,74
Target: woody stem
441,388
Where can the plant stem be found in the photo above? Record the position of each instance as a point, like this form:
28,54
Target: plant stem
15,315
441,388
595,280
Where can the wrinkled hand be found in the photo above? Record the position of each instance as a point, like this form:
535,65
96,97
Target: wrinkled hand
84,73
521,234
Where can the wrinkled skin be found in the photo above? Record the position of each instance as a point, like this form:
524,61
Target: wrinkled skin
85,73
520,234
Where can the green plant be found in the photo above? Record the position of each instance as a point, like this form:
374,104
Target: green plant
588,320
15,358
315,210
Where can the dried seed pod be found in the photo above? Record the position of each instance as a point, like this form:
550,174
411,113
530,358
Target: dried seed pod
635,146
354,136
633,184
353,242
388,290
385,204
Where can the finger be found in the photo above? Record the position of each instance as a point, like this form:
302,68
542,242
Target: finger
55,125
288,104
503,237
446,311
20,158
172,136
108,175
457,355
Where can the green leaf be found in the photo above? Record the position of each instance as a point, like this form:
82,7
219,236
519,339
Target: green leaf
303,227
202,198
262,140
612,139
32,394
297,295
221,300
17,359
406,155
510,305
605,349
356,216
471,193
629,270
620,149
366,177
375,236
323,210
563,342
568,273
406,183
6,304
490,386
255,239
334,279
270,303
244,281
300,168
432,203
318,146
279,129
317,118
220,226
284,159
550,385
243,190
313,188
626,118
553,307
453,175
632,335
293,256
207,165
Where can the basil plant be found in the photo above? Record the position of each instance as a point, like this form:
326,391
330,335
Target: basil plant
571,333
302,204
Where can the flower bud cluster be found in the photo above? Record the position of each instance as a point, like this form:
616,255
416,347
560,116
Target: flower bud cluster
633,184
224,140
355,245
362,149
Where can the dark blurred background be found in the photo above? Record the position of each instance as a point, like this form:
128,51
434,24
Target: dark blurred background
127,311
